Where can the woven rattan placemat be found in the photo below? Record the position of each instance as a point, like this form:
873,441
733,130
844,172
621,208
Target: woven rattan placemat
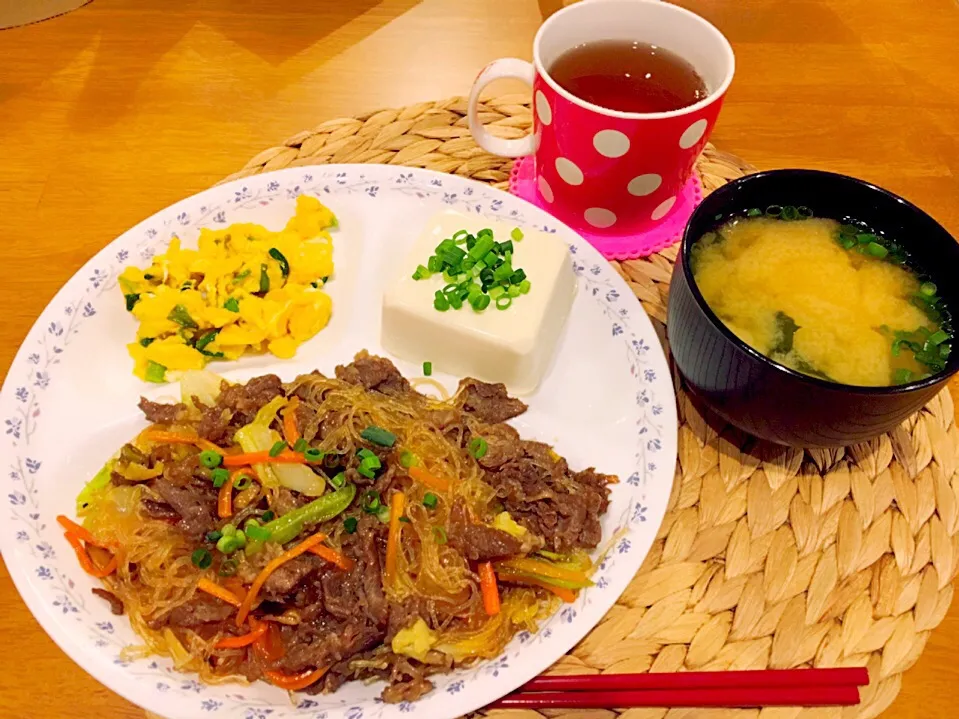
768,557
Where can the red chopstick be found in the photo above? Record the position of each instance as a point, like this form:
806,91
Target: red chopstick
787,687
855,676
734,697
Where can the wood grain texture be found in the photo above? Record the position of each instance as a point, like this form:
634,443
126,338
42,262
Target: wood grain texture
117,110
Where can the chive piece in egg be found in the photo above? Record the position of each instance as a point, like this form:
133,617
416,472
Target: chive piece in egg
206,339
264,279
242,276
155,372
147,341
132,300
181,316
232,304
281,260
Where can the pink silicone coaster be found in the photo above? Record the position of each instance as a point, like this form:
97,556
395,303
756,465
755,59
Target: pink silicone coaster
668,231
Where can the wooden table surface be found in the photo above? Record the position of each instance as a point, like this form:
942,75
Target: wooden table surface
112,112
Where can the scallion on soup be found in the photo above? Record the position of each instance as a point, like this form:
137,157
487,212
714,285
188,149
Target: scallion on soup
831,300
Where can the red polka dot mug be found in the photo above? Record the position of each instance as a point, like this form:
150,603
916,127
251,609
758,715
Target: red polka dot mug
603,170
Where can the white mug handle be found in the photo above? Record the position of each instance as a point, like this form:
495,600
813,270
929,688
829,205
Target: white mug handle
507,67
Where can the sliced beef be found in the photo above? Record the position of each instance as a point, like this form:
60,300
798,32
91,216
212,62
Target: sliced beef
322,643
199,611
540,493
160,413
488,402
375,373
159,510
194,502
503,444
360,591
180,472
408,691
116,606
243,401
288,576
476,541
214,424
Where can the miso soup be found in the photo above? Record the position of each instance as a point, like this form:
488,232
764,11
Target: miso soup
828,299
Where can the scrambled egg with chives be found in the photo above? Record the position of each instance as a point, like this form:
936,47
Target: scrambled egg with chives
244,289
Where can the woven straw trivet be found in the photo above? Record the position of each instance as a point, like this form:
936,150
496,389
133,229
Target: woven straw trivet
768,557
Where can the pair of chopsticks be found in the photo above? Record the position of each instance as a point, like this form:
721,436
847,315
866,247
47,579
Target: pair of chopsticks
741,689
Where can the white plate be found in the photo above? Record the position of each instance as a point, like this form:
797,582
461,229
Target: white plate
70,400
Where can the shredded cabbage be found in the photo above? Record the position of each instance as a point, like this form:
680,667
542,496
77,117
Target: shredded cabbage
258,437
96,485
203,385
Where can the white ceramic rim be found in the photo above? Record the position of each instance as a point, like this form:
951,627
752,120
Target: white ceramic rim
681,12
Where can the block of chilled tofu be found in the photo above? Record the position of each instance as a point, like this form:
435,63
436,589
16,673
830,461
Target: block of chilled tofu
512,345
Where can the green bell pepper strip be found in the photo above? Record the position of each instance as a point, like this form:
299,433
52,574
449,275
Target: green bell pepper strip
288,527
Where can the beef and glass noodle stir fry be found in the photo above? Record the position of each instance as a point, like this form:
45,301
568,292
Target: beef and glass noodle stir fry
336,528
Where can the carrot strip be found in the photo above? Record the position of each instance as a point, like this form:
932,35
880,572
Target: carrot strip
334,557
489,588
81,532
160,437
270,568
397,502
258,630
567,595
421,475
290,431
284,457
87,562
205,585
224,501
295,682
270,647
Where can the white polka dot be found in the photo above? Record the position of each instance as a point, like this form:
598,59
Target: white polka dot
611,143
693,134
544,189
599,217
662,208
643,185
567,169
543,111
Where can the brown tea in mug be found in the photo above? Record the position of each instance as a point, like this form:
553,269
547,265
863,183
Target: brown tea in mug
628,76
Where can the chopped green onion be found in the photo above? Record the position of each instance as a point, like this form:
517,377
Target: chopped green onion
264,279
480,303
440,535
790,213
804,212
155,372
349,524
368,466
503,303
516,234
244,481
232,304
937,338
422,273
228,568
517,277
257,533
220,477
427,369
201,558
496,292
383,514
338,480
505,247
902,376
267,516
513,291
277,448
864,238
772,211
433,264
429,500
478,447
524,287
229,530
482,247
210,459
214,536
371,502
847,242
754,212
230,543
147,341
363,453
407,520
281,260
242,276
441,304
407,459
928,289
301,446
314,455
876,250
181,316
132,300
206,339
